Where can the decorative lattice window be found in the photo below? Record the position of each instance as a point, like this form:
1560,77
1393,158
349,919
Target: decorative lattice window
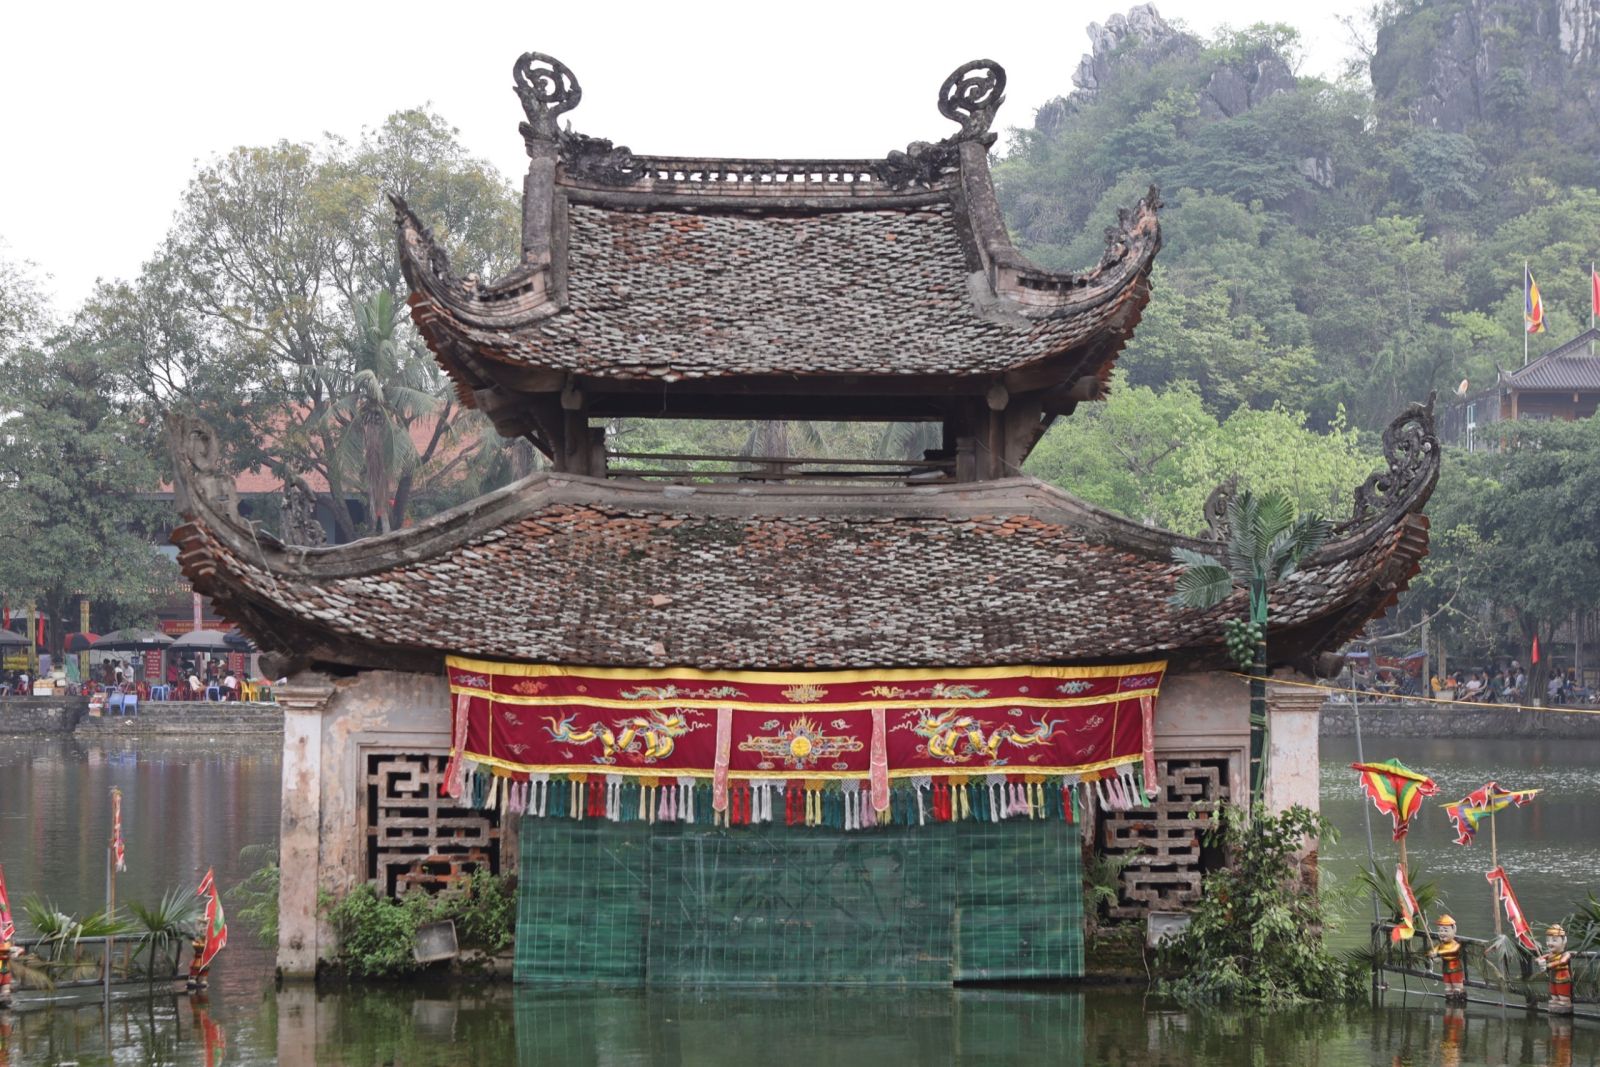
416,836
1170,855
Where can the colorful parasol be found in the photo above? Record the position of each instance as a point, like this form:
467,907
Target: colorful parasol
1396,790
1491,798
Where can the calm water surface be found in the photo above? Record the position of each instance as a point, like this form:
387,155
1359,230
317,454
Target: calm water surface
195,804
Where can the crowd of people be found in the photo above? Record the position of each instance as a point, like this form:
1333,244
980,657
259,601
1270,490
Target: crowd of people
188,681
1509,686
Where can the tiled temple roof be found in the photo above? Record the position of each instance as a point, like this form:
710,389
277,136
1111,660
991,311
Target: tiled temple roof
676,295
1568,367
566,569
664,270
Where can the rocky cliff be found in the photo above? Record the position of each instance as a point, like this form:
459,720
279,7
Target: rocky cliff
1455,65
1139,40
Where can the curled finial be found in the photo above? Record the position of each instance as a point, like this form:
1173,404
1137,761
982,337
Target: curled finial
1411,453
548,89
971,96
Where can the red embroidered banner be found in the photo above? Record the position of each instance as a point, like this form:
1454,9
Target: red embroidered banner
529,718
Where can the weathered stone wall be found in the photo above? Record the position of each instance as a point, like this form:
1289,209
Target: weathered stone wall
197,719
330,726
1443,720
40,715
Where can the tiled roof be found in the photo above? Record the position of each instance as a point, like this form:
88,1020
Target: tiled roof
1569,366
677,295
566,569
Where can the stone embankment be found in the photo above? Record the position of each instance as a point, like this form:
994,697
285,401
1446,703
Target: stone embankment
69,716
1446,720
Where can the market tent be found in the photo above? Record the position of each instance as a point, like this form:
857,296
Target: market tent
203,641
132,640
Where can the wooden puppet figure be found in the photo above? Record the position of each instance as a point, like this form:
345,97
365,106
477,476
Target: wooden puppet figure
5,973
1557,962
197,973
1452,965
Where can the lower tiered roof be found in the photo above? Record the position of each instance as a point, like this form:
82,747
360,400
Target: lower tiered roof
576,570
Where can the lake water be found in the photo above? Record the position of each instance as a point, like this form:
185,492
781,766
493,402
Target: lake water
195,804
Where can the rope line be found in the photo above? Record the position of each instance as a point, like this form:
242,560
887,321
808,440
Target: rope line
1563,709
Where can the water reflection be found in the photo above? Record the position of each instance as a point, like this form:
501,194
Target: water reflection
189,805
491,1025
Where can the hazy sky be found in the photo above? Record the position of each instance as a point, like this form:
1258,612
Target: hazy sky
109,107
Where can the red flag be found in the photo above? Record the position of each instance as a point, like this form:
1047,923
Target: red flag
216,925
1535,656
8,928
1594,292
1508,900
117,847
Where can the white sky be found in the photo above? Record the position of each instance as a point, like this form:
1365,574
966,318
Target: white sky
108,107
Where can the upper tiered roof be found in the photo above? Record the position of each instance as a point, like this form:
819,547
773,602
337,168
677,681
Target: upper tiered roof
807,288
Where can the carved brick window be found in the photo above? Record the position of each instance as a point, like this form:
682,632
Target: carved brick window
1171,858
415,835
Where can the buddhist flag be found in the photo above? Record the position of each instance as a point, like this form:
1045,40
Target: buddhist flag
1508,901
216,932
1535,656
1533,303
1396,790
118,849
1594,294
1410,910
1466,812
8,927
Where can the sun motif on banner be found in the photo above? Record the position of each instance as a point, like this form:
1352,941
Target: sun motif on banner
799,745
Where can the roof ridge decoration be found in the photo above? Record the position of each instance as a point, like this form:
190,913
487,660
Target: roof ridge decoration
1411,468
970,97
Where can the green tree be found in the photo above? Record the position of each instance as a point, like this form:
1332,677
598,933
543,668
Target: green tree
245,316
1521,525
76,514
1266,542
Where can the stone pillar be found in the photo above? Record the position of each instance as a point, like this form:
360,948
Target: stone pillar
303,701
1293,772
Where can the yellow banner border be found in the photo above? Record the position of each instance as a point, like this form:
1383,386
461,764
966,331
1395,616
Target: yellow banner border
796,776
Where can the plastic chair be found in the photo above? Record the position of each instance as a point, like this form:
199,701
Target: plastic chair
214,693
250,692
114,703
130,704
161,692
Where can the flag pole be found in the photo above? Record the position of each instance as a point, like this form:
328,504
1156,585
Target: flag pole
111,896
1494,863
1527,295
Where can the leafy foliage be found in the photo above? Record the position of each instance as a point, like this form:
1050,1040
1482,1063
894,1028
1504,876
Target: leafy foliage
258,893
377,934
164,929
1256,935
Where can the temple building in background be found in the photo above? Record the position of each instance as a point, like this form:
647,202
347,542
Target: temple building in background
1564,383
774,717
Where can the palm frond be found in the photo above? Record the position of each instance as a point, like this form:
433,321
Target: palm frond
1308,534
1204,586
1190,558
